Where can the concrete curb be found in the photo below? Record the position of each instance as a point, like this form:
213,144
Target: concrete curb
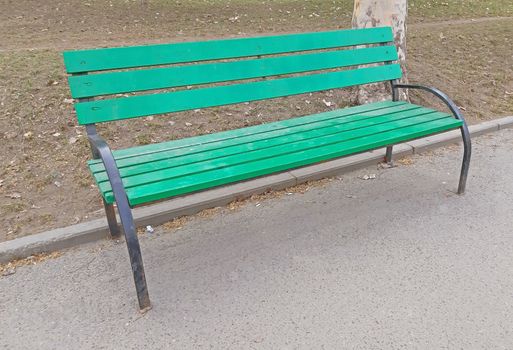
159,213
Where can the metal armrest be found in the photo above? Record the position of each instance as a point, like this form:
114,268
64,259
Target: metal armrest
465,134
102,150
441,95
98,144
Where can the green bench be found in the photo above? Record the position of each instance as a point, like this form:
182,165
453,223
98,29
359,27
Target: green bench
222,72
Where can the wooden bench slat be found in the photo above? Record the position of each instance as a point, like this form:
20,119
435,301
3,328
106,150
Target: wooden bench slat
236,136
81,61
137,106
329,138
250,130
178,76
189,164
319,138
174,187
130,166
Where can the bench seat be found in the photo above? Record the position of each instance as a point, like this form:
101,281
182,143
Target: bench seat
163,170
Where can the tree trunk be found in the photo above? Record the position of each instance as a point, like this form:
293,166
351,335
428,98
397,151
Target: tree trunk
379,13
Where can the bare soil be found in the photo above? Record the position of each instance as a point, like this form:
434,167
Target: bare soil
463,47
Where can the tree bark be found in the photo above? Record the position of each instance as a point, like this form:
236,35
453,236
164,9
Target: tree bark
379,13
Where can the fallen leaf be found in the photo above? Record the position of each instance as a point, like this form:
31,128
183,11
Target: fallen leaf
405,161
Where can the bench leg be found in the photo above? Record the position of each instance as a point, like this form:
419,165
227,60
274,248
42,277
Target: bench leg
388,155
110,212
134,252
102,150
467,150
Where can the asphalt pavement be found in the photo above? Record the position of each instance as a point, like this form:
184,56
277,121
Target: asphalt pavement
398,261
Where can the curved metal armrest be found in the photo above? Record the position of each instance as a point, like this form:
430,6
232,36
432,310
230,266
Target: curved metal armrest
448,102
457,114
100,146
102,151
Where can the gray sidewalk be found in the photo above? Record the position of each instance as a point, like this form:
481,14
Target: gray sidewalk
395,262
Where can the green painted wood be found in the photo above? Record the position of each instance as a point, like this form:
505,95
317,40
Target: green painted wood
267,148
256,129
297,154
160,78
141,56
137,106
273,147
170,158
236,136
204,180
284,133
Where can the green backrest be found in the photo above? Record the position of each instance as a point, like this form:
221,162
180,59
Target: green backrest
274,65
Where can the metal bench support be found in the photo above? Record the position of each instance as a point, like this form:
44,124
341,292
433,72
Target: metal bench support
388,155
110,212
467,146
101,148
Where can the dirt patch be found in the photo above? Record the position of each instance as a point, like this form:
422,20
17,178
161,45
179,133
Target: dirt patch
44,182
469,62
69,24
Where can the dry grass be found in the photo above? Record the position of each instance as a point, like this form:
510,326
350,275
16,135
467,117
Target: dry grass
44,182
405,161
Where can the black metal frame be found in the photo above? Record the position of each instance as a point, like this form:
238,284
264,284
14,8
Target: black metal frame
102,151
465,134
